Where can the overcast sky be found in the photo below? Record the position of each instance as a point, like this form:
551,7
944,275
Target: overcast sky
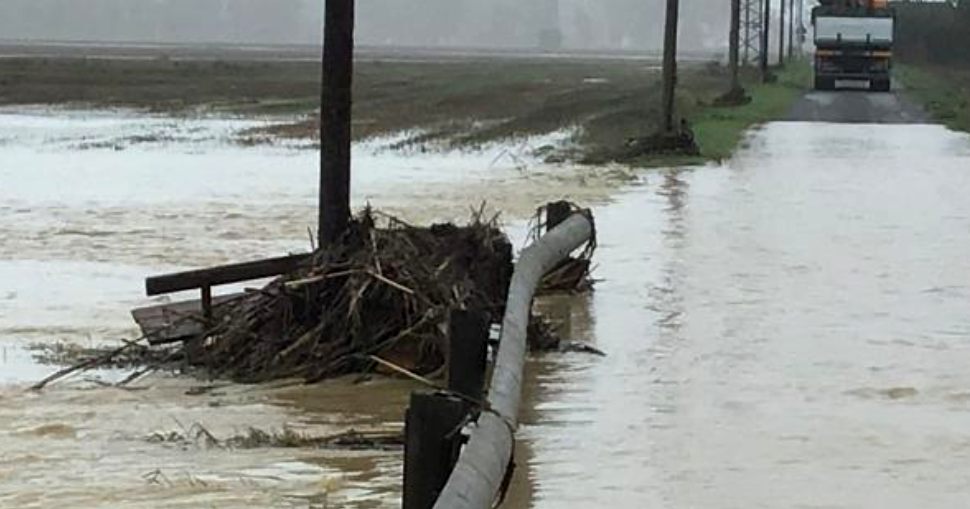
616,24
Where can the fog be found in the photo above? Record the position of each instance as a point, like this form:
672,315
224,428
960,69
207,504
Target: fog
584,24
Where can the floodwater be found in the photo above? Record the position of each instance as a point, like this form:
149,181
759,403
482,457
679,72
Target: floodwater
787,329
92,202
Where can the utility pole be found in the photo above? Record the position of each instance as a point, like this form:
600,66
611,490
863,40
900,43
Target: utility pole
791,29
801,27
765,40
670,66
336,97
781,33
735,45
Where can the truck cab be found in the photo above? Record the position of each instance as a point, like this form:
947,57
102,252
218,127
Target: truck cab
854,43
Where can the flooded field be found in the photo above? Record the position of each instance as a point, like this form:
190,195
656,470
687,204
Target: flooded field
92,202
787,329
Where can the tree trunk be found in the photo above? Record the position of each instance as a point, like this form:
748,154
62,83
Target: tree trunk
335,120
670,66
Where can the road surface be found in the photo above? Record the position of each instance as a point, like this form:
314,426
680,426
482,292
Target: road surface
786,330
857,107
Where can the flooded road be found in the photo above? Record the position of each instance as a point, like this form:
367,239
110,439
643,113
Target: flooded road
787,329
858,107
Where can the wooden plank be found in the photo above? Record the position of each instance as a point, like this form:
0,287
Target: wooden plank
222,275
176,321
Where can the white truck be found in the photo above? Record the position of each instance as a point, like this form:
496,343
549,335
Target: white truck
854,42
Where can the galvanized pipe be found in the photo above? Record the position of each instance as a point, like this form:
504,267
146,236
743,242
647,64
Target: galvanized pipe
477,478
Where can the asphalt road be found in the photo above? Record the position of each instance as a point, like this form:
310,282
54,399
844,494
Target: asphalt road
857,107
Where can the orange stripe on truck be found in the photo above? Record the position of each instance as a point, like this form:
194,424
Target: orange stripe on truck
835,53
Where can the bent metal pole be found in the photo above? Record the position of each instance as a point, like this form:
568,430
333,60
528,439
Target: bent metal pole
477,478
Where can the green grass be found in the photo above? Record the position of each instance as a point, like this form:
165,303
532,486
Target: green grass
943,92
719,130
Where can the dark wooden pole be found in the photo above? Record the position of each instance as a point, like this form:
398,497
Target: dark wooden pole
467,352
335,119
781,33
766,41
556,213
431,446
670,65
791,29
734,53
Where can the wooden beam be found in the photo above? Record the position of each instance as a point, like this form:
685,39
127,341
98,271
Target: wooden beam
222,275
176,321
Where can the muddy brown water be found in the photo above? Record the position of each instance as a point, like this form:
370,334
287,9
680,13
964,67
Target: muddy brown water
788,329
92,202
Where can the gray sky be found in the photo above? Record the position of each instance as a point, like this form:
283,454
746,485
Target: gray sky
586,24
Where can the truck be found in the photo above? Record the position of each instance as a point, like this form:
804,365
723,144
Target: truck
854,43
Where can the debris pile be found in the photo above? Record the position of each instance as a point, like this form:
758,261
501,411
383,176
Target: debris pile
385,290
380,297
679,142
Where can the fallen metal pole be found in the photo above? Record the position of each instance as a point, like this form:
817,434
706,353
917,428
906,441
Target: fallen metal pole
481,468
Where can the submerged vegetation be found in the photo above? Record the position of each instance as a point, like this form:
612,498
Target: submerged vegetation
253,438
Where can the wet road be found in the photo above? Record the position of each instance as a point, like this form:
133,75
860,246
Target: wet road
857,107
788,330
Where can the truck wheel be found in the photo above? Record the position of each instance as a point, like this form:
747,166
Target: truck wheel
882,85
824,84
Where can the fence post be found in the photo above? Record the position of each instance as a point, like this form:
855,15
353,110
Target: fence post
467,352
556,213
432,433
